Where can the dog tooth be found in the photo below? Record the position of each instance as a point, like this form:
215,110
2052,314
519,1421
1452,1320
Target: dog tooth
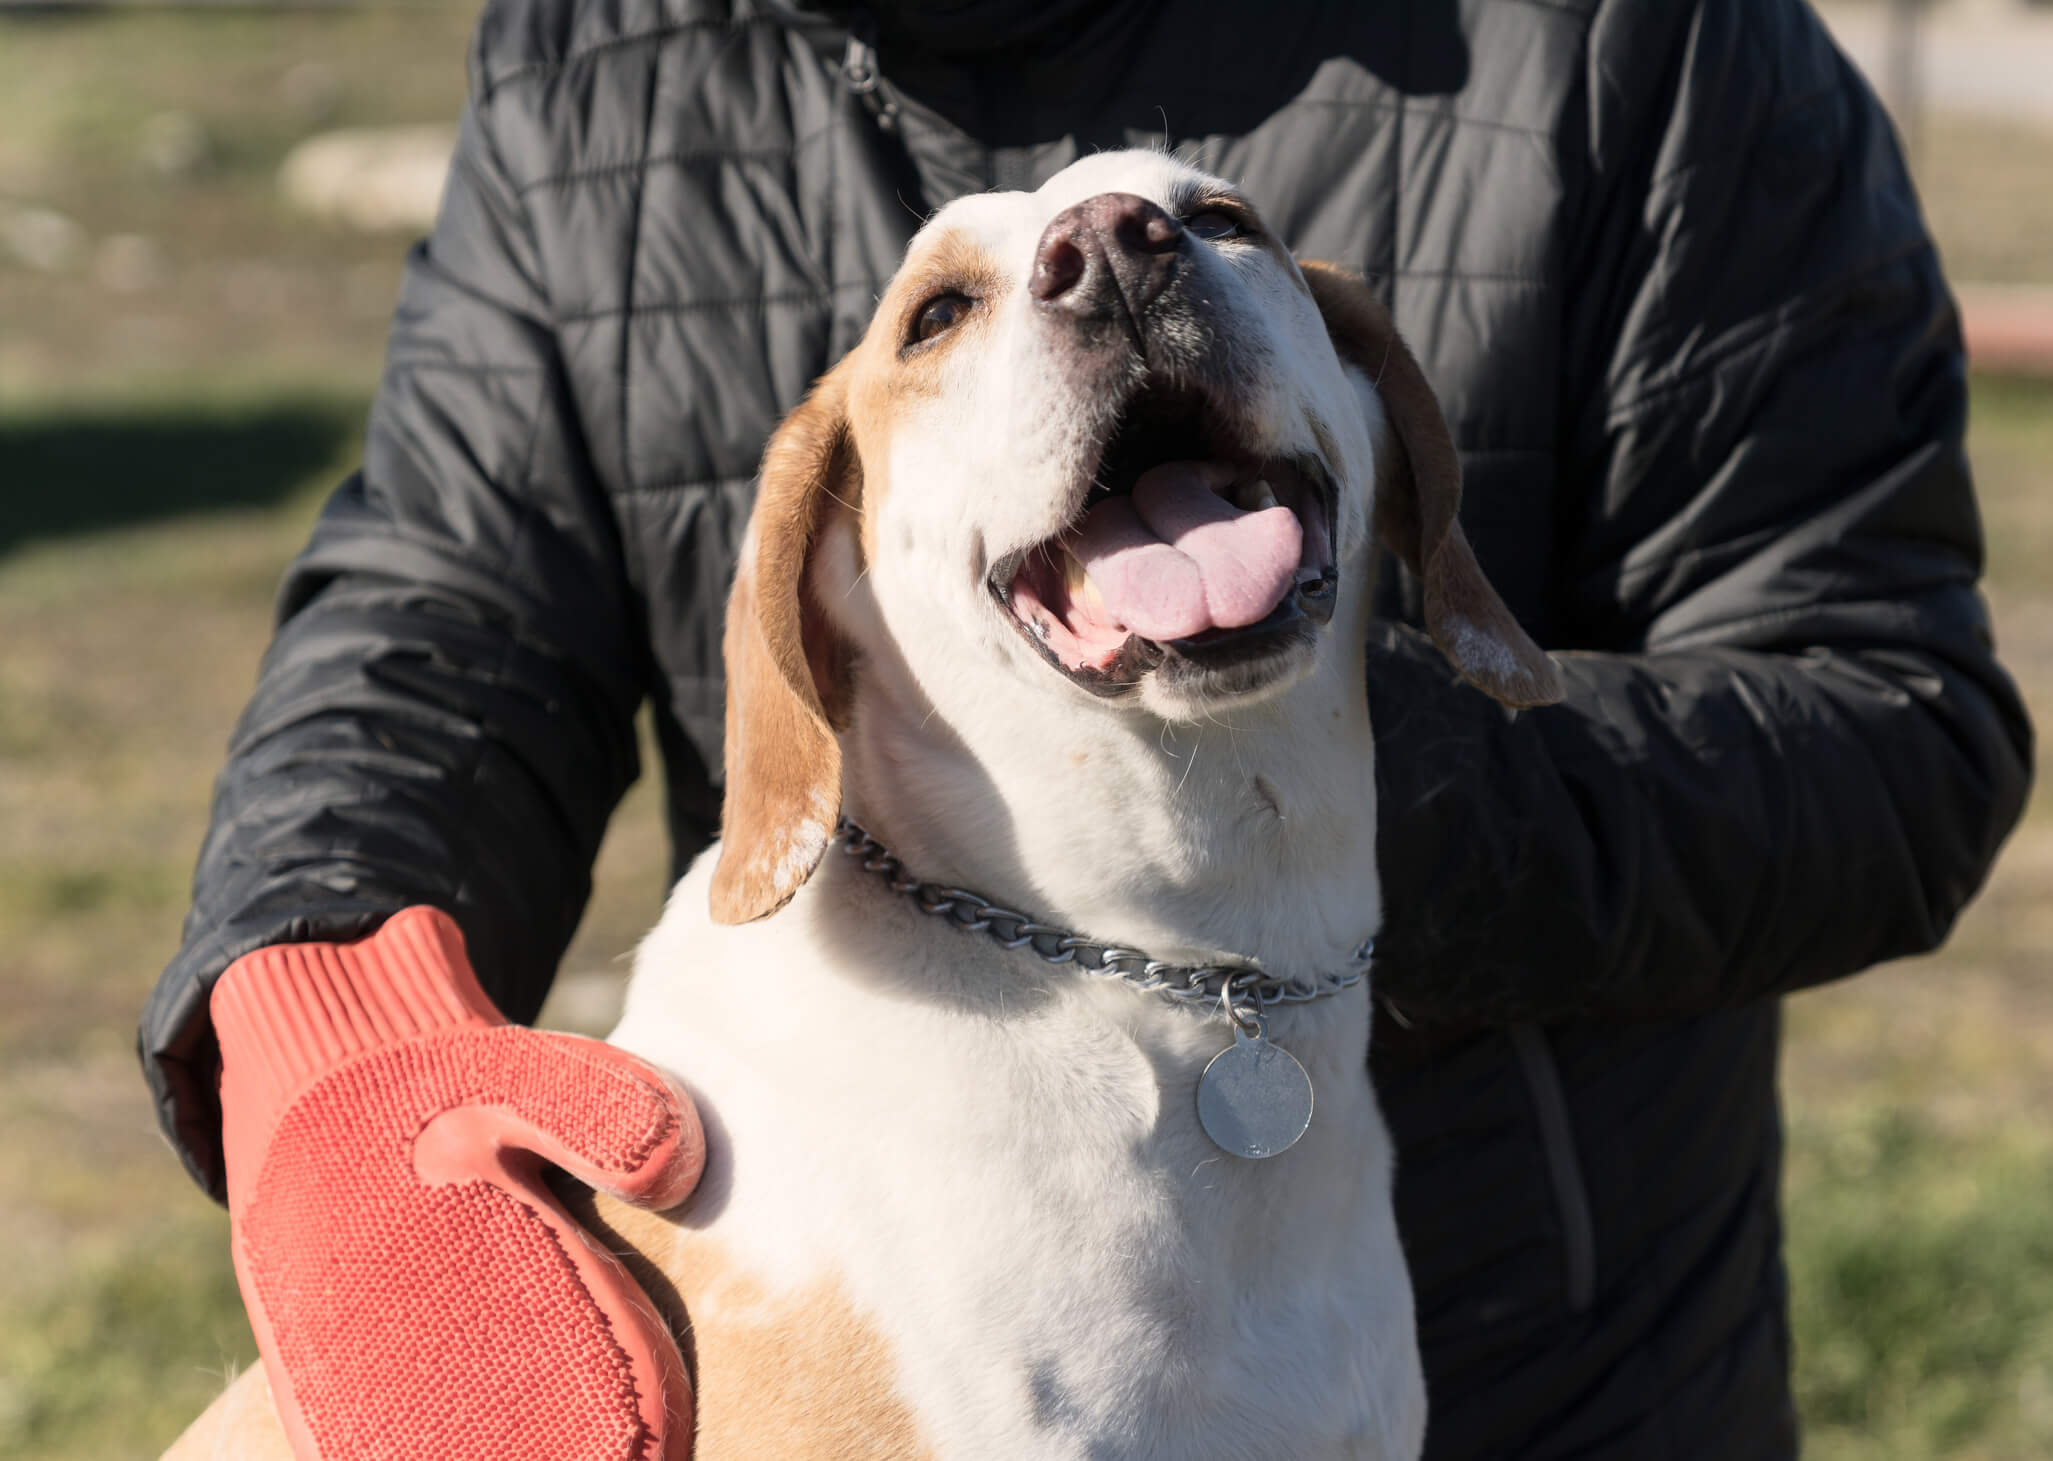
1081,589
1263,494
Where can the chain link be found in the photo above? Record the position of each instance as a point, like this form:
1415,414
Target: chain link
1226,985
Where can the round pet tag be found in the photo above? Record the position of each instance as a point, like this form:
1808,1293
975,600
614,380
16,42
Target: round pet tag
1254,1099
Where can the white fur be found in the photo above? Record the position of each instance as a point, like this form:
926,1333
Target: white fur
998,1160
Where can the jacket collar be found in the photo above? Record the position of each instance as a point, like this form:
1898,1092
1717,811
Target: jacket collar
972,31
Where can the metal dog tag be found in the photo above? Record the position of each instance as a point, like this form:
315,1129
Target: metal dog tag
1254,1099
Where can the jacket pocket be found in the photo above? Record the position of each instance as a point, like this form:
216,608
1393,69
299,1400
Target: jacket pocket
1564,1163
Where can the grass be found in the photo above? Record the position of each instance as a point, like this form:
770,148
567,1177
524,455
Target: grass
248,292
162,453
1919,1195
133,1346
1924,1276
134,626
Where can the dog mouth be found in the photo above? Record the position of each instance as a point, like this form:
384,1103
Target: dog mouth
1188,546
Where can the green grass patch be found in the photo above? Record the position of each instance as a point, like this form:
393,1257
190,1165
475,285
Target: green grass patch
119,1359
1921,1265
36,890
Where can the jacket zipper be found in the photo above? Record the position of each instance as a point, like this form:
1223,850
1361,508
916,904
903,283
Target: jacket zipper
1564,1163
859,70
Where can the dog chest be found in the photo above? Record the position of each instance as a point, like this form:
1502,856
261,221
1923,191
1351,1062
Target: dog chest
990,1198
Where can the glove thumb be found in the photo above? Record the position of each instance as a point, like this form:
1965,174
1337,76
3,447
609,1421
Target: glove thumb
610,1120
288,1016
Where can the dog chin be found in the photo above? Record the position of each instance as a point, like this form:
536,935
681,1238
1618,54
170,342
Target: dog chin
1184,688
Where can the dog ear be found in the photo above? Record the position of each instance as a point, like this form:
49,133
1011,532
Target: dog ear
788,670
1418,500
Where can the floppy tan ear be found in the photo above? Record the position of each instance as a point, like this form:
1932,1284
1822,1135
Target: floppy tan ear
787,670
1418,501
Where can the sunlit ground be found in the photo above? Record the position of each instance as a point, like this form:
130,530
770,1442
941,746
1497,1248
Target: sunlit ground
163,446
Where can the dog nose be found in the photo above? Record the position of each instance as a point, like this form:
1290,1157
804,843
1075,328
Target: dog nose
1107,254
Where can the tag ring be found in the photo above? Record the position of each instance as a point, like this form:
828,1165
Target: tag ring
1239,998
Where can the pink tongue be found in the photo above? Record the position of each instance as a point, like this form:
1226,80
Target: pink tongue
1176,558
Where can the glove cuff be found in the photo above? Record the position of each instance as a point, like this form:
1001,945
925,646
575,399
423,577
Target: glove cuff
289,1014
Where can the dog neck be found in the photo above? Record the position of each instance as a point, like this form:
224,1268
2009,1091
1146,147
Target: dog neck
1250,835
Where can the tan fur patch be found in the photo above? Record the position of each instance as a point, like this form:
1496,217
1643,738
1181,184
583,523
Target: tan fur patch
950,264
797,1376
885,379
787,672
1418,499
241,1425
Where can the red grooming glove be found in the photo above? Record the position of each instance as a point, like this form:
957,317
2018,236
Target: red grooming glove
417,1293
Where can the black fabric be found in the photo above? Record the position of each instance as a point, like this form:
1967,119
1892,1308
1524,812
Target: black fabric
1663,266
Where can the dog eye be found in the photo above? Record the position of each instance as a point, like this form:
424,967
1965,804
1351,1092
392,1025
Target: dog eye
1214,223
939,315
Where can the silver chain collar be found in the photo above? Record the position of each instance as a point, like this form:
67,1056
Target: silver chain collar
1242,991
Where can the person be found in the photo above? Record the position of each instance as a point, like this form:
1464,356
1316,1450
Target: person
1666,272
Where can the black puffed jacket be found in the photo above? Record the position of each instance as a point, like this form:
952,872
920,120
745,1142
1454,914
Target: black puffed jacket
1663,265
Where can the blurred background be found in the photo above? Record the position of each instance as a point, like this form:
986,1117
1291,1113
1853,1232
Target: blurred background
203,211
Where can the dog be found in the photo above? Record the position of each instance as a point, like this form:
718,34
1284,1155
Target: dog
1057,590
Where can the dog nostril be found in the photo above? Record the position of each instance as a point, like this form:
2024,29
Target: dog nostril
1058,265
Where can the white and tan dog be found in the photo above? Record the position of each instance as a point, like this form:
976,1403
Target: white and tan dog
1059,585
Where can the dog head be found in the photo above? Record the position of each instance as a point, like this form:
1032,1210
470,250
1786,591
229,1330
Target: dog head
1105,448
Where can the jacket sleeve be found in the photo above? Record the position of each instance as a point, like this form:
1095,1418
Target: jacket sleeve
445,714
1787,750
